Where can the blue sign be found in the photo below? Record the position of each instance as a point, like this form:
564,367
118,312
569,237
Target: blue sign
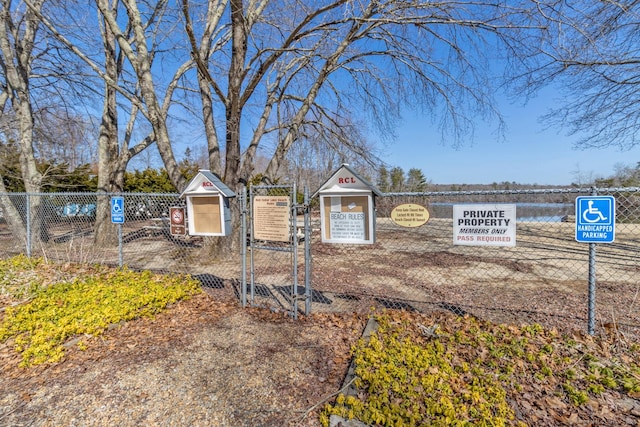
595,219
117,210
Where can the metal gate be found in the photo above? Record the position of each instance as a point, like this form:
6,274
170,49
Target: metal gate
276,254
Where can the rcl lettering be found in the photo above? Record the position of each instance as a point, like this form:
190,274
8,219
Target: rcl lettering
207,184
348,180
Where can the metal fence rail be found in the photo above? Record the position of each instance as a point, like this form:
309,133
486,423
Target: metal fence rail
544,278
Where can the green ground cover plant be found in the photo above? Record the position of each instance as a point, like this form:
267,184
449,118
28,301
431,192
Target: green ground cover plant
418,370
20,276
82,302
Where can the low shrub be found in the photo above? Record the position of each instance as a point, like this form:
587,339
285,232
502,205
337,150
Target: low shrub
87,305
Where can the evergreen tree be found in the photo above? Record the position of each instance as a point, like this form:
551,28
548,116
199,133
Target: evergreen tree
148,181
56,177
397,179
416,181
383,179
10,167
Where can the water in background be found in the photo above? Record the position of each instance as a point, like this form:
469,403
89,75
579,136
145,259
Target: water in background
525,212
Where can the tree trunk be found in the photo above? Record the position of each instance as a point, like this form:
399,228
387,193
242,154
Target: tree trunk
230,244
234,105
108,178
31,177
108,145
17,58
12,216
213,147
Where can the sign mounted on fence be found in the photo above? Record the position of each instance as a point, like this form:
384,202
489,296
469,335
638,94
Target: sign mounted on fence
347,208
177,224
595,219
410,215
117,209
484,224
271,217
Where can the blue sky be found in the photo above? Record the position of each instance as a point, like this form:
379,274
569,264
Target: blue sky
529,153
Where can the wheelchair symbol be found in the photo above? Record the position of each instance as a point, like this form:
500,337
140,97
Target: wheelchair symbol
592,214
116,207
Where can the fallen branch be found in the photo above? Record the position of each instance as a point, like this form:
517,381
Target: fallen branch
325,398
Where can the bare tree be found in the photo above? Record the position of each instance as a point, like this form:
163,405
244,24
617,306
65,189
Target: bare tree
282,69
19,47
212,29
112,161
132,38
319,151
271,75
64,136
590,51
134,35
140,57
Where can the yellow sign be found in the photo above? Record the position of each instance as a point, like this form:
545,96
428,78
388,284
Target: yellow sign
410,215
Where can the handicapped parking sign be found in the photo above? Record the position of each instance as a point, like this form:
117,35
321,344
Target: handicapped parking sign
595,219
117,210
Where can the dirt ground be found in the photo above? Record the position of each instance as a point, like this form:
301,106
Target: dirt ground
543,279
204,362
209,362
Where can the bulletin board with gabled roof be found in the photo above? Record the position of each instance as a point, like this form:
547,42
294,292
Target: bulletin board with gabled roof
208,211
347,208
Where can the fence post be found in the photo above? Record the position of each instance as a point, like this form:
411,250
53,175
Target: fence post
307,254
252,273
120,244
243,244
592,281
294,240
28,206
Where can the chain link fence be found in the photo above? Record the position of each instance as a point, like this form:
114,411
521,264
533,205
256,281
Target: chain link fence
278,250
544,278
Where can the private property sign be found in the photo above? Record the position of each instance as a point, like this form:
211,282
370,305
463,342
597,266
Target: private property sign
484,224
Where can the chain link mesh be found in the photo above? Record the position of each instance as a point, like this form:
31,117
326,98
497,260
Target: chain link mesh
543,279
276,264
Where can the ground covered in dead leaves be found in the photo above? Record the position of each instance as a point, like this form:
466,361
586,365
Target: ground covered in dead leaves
201,363
206,362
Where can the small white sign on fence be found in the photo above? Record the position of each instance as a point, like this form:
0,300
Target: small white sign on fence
484,224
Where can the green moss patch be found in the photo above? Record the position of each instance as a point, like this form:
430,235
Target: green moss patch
437,370
87,305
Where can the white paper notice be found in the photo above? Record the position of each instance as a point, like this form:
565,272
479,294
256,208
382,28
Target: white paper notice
347,226
336,204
